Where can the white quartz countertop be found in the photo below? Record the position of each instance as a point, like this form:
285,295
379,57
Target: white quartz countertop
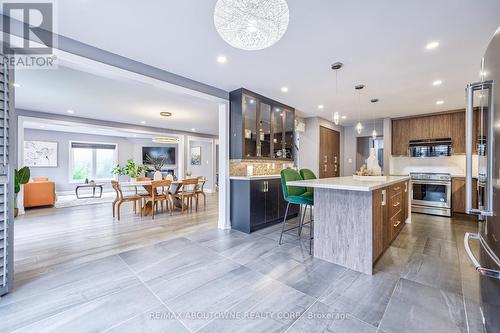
348,183
254,177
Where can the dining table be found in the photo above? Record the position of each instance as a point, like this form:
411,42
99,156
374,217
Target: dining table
147,209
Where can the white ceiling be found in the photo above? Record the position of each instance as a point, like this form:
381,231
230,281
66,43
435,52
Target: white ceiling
382,44
113,99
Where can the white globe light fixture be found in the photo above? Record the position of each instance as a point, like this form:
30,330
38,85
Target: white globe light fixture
251,24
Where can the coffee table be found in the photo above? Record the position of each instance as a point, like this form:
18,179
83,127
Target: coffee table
93,187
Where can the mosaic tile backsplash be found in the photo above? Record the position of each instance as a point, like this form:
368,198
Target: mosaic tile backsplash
260,168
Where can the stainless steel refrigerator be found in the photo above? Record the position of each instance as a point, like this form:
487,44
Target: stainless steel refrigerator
483,132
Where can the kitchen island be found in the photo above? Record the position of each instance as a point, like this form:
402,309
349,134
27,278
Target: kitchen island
355,221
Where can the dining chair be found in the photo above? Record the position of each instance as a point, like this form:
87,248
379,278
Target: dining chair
143,193
187,192
120,199
159,194
296,195
200,190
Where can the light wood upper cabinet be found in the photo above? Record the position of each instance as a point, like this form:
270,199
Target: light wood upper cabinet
437,126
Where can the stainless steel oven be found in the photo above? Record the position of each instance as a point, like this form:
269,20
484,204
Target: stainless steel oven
431,193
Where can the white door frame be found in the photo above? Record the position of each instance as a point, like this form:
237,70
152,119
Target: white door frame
224,203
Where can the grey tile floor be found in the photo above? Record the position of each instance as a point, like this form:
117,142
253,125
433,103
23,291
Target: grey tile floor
227,281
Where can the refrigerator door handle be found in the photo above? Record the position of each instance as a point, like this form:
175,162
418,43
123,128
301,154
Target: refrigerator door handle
490,149
482,270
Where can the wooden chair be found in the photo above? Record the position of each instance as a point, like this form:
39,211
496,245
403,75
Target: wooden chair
159,194
187,193
120,198
199,190
142,179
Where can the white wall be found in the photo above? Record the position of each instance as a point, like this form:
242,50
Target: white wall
308,143
60,175
206,169
454,165
350,143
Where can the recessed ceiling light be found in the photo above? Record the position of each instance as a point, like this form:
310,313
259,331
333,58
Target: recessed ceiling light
41,126
284,89
221,59
143,122
166,114
252,101
193,129
17,85
432,45
321,106
344,117
70,111
437,83
440,102
135,135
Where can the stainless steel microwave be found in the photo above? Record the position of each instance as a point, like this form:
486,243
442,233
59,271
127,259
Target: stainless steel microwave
430,148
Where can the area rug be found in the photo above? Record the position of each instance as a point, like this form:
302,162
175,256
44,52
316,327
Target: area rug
64,201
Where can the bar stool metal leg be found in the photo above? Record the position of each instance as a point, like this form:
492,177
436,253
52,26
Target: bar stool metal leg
284,221
302,218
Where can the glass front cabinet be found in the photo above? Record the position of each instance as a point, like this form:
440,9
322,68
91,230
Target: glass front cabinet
260,127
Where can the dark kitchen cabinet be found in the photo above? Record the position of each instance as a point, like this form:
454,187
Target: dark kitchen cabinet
435,126
261,128
257,203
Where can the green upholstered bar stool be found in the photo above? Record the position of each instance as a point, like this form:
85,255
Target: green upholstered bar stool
306,175
296,195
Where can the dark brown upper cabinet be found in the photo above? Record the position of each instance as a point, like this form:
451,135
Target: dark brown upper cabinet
261,128
435,126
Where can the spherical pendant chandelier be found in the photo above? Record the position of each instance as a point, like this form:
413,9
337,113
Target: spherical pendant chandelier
251,24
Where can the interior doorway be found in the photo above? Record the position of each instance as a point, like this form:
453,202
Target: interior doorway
329,153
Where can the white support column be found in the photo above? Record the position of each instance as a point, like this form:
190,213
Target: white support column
224,204
182,157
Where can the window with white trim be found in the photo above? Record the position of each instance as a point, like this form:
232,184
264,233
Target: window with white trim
92,161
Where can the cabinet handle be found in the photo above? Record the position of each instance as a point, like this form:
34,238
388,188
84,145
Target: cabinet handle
397,224
325,159
335,167
325,168
406,187
267,186
335,159
396,204
397,188
384,198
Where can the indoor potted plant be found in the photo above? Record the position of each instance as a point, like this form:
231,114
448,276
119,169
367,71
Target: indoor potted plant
130,169
157,164
21,177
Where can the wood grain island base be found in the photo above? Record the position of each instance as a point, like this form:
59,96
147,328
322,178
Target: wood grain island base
356,221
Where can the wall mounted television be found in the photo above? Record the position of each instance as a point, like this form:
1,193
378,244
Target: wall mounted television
159,152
